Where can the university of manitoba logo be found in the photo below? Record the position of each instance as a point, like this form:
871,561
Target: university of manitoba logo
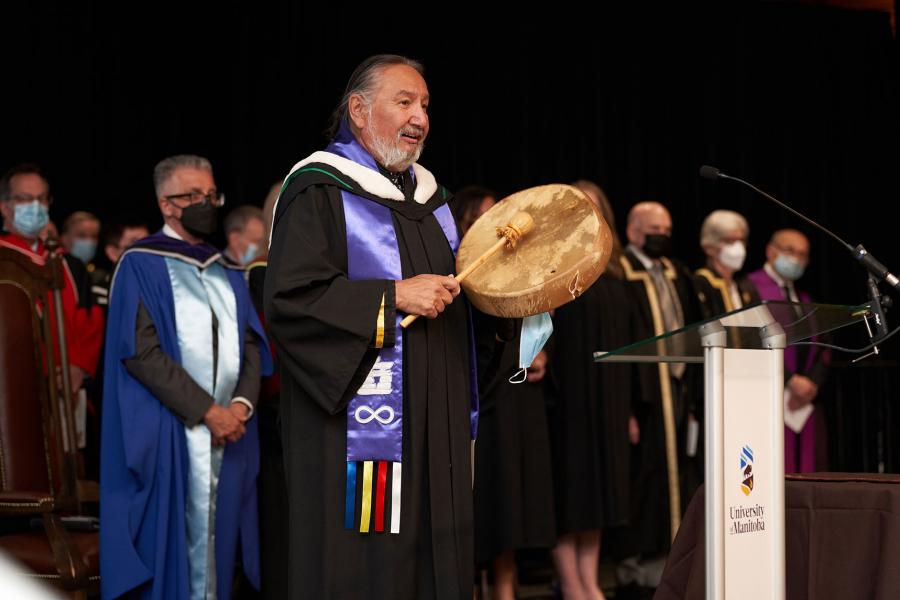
746,470
747,519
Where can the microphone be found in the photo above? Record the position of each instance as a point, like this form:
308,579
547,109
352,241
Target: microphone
708,172
875,268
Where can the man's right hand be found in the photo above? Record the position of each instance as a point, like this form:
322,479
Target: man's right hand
538,368
223,425
425,295
803,391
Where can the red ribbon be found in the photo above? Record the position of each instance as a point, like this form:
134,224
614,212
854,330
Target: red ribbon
379,496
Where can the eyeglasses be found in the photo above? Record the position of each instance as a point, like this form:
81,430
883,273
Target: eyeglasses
28,199
791,251
214,197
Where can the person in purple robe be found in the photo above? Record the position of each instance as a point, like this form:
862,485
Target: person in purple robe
805,367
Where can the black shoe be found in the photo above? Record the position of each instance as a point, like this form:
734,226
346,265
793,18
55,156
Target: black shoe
633,591
627,592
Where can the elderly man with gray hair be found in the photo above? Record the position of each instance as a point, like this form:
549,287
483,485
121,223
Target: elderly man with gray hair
377,420
184,355
723,237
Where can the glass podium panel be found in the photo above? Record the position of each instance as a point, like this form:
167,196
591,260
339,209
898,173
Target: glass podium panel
743,328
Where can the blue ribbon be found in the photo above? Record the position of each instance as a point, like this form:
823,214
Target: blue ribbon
350,502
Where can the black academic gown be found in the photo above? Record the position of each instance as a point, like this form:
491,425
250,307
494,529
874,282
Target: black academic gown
589,413
713,294
270,483
82,279
650,522
513,476
323,326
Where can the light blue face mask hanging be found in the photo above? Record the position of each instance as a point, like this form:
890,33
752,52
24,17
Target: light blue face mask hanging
535,332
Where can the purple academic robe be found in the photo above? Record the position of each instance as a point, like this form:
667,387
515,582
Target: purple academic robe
811,361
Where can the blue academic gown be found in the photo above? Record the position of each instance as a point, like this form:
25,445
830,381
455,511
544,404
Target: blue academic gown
144,460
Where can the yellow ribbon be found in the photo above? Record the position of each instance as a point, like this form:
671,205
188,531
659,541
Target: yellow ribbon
366,497
379,326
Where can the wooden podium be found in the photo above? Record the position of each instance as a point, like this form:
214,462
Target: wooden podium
743,357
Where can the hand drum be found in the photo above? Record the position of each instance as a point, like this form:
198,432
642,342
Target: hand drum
563,254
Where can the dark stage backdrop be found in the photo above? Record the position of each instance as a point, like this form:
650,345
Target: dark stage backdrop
801,100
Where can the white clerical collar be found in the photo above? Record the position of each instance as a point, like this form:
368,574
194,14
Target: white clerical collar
648,262
171,232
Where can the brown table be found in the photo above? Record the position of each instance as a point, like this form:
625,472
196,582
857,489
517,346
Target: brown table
842,535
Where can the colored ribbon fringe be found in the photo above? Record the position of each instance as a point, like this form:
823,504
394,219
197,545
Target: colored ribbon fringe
372,483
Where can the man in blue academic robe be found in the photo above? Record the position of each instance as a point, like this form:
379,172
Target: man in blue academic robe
184,355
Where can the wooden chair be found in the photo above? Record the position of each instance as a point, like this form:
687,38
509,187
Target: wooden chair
38,472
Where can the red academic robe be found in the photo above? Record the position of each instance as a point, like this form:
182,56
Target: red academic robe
83,323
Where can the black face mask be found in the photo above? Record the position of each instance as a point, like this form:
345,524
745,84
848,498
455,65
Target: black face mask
200,220
656,245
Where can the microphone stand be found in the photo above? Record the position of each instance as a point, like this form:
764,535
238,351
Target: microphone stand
879,304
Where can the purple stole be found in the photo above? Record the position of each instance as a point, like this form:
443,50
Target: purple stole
375,413
768,289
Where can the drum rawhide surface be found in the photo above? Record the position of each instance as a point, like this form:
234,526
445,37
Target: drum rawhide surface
563,254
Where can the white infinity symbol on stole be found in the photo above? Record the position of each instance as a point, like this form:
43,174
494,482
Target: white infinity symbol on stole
374,414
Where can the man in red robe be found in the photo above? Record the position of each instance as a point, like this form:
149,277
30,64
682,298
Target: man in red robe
25,202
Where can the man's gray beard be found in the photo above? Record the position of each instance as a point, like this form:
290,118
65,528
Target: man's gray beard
391,155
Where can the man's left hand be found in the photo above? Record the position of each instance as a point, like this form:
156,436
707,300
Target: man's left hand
240,411
242,414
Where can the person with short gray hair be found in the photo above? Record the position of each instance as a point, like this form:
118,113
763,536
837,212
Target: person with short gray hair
187,197
185,352
723,237
378,421
167,167
721,225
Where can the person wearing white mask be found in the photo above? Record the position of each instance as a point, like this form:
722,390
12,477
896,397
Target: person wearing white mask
723,237
805,367
245,232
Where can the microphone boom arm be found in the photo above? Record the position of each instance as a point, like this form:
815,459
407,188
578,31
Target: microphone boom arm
872,265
